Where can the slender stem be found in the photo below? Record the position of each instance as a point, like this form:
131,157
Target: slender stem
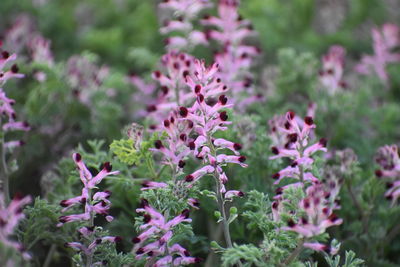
295,253
4,173
225,224
49,255
89,257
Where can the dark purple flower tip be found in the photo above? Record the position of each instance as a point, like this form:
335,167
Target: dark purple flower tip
190,124
98,241
118,239
90,228
107,166
287,125
206,16
136,240
304,220
158,144
291,114
5,54
143,203
185,73
13,115
22,143
279,191
389,185
333,217
294,164
14,68
188,63
237,146
378,173
108,192
325,211
196,203
327,249
323,142
192,145
66,245
291,223
223,116
181,164
145,184
146,218
157,74
151,108
309,120
275,205
186,253
164,90
241,194
189,178
166,123
183,112
140,251
83,200
330,71
198,260
343,84
62,219
275,150
104,262
276,176
242,159
292,137
197,88
223,99
150,253
200,98
63,203
183,137
185,213
176,66
306,203
225,88
78,157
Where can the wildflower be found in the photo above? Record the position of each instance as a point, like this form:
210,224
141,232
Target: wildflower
97,203
388,158
208,117
153,243
235,58
385,41
318,216
10,216
184,13
297,149
331,75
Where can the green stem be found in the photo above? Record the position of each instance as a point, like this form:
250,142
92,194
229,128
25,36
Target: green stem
49,255
295,253
4,173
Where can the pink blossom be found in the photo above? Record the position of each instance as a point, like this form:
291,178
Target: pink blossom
10,216
385,40
331,75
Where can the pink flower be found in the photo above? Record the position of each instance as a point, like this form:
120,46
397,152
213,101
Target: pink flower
388,158
10,216
296,148
96,204
184,13
236,57
154,241
385,40
331,74
318,214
